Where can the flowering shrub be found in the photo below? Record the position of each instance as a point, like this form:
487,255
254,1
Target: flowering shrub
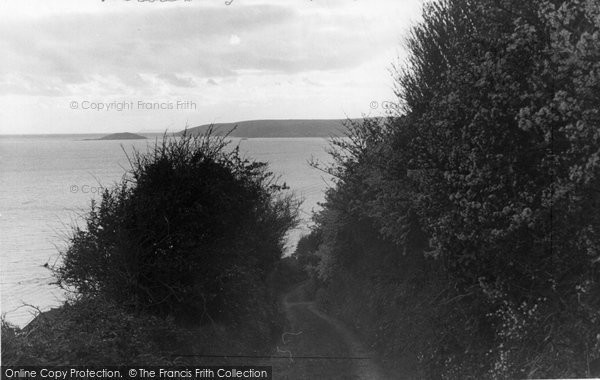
487,186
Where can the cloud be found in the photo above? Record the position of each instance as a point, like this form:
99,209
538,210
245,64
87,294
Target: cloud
180,44
71,48
234,40
310,82
252,59
177,80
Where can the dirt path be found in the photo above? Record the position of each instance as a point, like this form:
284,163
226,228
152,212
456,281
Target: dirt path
319,346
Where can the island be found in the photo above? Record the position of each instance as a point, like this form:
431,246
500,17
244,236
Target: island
121,136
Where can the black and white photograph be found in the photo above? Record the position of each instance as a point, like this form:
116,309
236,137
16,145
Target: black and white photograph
300,189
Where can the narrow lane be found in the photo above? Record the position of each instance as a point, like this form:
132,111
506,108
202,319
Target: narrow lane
319,346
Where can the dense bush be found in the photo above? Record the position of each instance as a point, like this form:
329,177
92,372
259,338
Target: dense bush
90,333
464,232
100,332
289,272
305,253
194,230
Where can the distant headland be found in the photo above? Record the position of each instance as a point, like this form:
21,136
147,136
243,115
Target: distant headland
120,136
277,128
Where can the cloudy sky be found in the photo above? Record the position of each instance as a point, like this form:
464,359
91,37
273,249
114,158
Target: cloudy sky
95,66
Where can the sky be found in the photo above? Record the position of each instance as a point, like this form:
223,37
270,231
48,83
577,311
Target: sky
93,66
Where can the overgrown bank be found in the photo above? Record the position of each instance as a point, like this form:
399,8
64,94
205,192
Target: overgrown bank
183,257
462,236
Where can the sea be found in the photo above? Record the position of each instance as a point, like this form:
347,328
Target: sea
48,181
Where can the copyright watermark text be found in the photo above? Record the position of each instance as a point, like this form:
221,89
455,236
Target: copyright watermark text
137,372
386,105
86,189
131,105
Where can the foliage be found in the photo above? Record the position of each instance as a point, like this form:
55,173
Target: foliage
193,231
304,254
476,211
88,333
288,272
99,332
183,257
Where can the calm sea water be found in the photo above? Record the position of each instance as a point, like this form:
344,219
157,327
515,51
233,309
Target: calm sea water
47,182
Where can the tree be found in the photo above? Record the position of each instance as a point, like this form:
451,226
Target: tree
490,174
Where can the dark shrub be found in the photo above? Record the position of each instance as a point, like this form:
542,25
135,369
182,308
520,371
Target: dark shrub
306,249
90,332
192,225
462,234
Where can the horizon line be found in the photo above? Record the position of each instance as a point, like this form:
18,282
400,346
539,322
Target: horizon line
180,130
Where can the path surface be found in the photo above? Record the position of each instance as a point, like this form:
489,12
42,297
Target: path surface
319,346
